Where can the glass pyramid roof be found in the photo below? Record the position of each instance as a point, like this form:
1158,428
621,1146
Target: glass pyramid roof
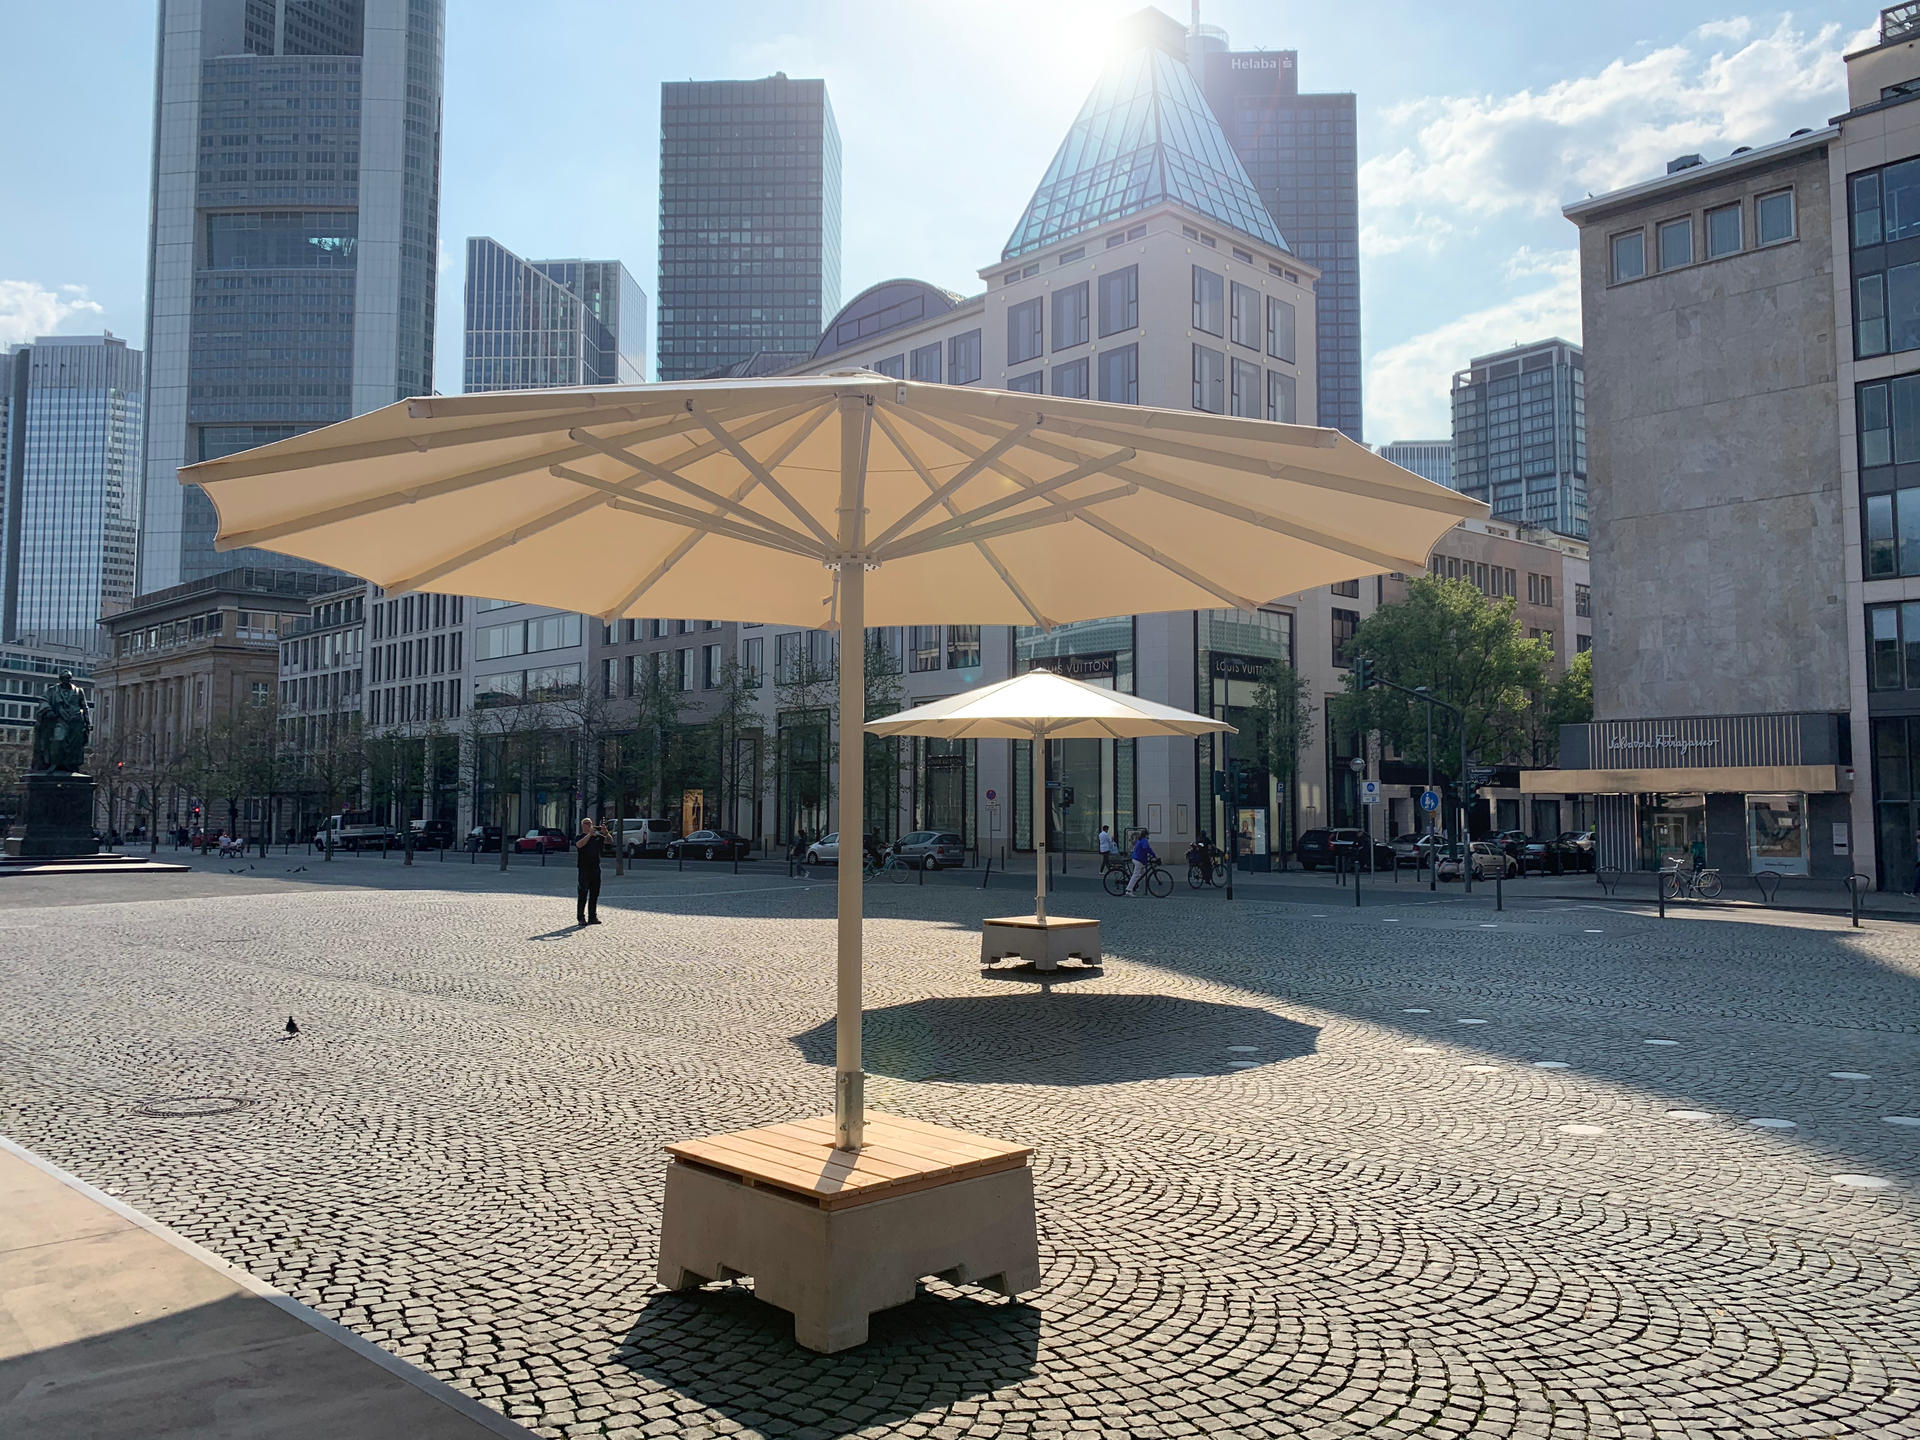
1144,136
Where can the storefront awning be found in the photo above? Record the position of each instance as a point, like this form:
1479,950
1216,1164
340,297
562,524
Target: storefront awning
1707,779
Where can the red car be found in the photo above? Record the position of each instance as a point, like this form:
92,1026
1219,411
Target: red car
542,838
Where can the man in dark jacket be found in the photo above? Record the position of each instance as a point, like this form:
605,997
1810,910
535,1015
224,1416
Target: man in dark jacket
586,855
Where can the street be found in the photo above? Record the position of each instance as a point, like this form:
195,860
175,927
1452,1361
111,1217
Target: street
1303,1169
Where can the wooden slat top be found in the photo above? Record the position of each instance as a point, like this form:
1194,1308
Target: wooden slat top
899,1155
1029,922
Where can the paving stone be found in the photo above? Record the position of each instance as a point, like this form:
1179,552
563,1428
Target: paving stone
460,1156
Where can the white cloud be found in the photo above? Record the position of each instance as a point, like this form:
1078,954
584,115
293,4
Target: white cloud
1529,152
28,310
1407,384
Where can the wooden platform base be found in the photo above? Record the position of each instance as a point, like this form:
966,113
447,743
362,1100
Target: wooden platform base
1041,943
105,863
830,1236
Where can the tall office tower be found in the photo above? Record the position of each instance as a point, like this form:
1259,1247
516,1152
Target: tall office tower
1300,152
1520,435
749,221
69,467
1429,459
536,323
295,214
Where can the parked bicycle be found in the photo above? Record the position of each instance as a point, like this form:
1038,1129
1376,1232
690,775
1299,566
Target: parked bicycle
1694,883
1157,882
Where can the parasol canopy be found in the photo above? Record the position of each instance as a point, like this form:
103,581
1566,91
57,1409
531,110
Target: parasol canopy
1041,706
834,501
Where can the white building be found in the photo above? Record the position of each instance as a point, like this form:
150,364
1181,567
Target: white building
1146,271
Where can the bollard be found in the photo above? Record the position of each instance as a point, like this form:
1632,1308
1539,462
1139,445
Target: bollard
543,852
923,871
1356,882
680,854
473,855
1660,885
1499,888
736,859
986,872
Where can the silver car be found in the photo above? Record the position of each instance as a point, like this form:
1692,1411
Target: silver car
825,850
932,849
1488,861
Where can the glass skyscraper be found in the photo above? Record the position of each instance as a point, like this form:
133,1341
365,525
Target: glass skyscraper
749,221
295,211
1520,435
1301,153
531,324
69,468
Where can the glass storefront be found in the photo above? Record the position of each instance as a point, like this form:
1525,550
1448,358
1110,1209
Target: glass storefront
1669,824
1234,652
1896,742
1095,776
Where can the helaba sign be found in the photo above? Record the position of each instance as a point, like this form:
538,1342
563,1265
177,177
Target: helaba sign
1269,63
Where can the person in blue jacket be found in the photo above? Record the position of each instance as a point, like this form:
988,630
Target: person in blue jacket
1143,856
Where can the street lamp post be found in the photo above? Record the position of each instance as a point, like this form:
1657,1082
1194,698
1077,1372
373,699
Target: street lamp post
1433,864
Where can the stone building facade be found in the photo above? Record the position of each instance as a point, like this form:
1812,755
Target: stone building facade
1752,334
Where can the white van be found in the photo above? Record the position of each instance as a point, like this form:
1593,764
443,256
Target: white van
644,836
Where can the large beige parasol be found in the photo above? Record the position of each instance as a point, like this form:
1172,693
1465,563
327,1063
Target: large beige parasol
830,501
1041,706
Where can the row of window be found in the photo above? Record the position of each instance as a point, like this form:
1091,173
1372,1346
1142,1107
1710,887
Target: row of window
410,704
427,655
526,637
1883,207
639,670
1722,228
1232,386
1119,310
1241,323
409,613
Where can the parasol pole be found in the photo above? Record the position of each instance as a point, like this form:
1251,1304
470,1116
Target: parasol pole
1039,824
849,1096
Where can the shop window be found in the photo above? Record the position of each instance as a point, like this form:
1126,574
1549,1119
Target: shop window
1777,833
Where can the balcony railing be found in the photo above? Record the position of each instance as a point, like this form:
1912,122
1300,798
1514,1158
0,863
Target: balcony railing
1897,22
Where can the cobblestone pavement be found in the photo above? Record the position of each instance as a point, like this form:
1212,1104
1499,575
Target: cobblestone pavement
1564,1171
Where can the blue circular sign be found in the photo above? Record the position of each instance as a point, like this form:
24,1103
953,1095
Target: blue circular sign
1429,800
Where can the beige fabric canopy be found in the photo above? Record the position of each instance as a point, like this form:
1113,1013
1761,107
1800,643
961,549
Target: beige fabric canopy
722,500
1041,706
837,500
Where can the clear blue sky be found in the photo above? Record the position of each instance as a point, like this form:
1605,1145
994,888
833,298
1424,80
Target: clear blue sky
1472,132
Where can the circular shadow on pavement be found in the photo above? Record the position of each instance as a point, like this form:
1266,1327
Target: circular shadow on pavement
1064,1038
725,1350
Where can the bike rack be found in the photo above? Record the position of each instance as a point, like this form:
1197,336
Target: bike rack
1609,880
1768,884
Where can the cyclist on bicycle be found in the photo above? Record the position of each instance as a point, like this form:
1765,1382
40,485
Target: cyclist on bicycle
876,856
1200,855
1143,856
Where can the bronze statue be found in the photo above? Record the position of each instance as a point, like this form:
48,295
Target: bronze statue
61,728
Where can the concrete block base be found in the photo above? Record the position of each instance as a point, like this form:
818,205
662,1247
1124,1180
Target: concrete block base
831,1269
1041,943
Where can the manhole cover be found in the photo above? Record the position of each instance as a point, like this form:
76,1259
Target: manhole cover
192,1107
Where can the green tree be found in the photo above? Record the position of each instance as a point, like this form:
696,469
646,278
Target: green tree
1469,652
735,743
1277,729
1567,700
885,756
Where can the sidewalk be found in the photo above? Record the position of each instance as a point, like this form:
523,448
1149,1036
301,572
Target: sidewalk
112,1327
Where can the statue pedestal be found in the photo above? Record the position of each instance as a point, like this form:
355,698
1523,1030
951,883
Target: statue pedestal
57,819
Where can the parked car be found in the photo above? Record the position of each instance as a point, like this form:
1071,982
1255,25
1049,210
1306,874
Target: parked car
711,845
931,849
1550,857
1582,840
484,839
432,834
1417,850
1489,860
1514,842
1313,849
646,836
1352,844
542,839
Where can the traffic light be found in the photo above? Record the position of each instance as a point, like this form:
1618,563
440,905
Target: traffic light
1066,797
1219,784
1362,673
